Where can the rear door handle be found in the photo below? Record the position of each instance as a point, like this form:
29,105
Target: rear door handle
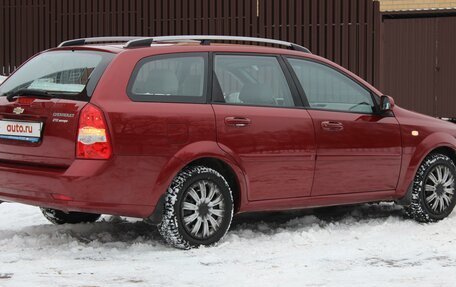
332,126
237,122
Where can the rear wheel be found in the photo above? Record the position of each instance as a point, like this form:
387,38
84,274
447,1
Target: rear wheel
59,217
198,208
433,195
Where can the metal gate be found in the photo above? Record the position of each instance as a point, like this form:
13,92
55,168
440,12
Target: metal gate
345,31
420,63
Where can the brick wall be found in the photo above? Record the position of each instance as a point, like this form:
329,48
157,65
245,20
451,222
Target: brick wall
389,5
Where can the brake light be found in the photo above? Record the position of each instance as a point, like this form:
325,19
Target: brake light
25,101
93,138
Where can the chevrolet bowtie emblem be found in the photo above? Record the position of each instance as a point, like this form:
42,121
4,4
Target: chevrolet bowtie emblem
18,110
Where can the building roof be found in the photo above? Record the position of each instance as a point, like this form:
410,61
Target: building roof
416,5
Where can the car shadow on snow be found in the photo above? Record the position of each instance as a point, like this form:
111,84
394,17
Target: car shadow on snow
118,232
265,221
111,230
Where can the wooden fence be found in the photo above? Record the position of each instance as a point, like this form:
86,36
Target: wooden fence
345,31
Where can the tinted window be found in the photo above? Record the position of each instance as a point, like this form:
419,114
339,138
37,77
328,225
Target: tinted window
178,78
252,80
329,89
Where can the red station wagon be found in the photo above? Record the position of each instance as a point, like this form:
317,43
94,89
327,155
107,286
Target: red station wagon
186,133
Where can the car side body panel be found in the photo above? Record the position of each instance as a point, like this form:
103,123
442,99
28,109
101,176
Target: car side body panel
351,159
276,150
166,135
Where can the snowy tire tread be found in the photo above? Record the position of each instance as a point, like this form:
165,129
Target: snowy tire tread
169,226
416,209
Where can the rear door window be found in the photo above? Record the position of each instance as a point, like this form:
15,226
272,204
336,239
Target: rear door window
252,80
170,78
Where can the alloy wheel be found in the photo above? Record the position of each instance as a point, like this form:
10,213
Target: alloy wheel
203,209
439,188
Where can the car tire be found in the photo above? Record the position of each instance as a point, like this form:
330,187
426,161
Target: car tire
198,208
433,192
59,217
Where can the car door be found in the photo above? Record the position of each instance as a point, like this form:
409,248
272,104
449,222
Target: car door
261,122
358,150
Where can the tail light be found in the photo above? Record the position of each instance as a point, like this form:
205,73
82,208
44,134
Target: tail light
93,138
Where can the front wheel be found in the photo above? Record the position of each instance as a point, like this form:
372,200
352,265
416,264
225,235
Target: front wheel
198,208
433,194
59,217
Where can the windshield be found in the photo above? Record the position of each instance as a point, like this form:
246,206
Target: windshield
59,72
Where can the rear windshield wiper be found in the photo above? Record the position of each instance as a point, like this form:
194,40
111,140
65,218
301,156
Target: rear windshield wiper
40,94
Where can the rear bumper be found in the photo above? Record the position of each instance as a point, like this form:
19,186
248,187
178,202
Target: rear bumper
95,186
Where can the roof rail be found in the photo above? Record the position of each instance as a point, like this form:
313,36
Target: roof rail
206,39
84,41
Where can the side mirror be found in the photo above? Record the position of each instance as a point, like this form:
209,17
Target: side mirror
386,104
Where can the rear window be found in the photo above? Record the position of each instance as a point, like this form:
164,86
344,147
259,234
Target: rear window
70,74
170,78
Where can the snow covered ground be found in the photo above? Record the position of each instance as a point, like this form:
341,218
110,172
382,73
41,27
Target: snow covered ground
368,245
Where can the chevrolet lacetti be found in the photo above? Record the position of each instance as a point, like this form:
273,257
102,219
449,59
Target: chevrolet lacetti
187,133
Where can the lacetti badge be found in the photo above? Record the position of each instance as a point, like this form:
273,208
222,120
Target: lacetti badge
18,110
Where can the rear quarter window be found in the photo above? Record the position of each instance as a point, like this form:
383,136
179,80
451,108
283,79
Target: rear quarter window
170,78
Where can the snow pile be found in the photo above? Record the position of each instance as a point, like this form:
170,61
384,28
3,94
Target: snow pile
368,245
